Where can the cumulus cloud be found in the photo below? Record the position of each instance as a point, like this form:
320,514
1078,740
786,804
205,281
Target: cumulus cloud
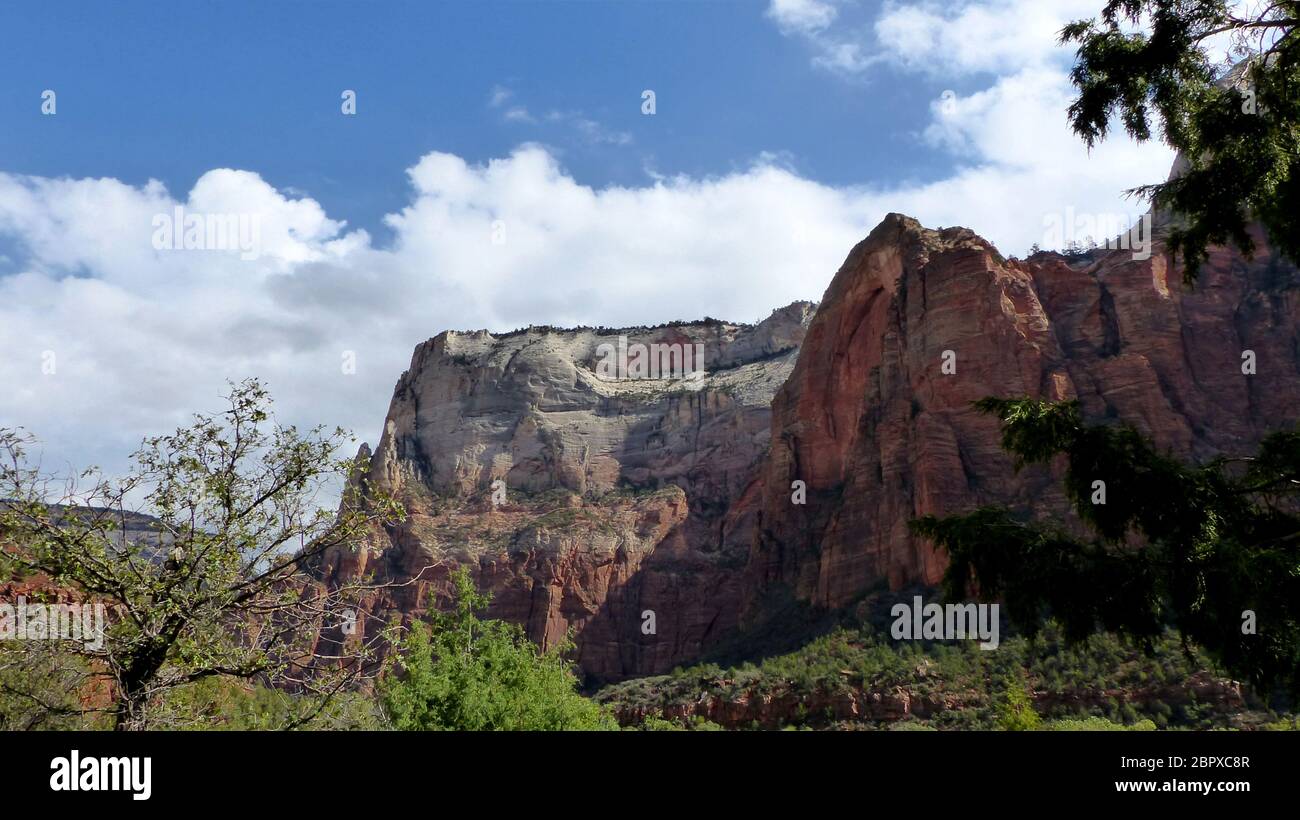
142,336
1018,162
139,336
837,49
941,39
106,338
987,36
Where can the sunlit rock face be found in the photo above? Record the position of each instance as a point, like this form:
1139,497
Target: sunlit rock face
876,418
594,494
649,515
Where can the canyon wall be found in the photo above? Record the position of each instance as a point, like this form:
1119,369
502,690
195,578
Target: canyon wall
585,502
880,431
675,498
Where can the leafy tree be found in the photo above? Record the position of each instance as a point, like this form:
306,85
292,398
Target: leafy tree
1237,127
463,673
41,687
216,585
1015,711
1197,548
232,704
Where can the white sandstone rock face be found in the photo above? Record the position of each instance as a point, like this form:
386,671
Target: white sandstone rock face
531,409
621,494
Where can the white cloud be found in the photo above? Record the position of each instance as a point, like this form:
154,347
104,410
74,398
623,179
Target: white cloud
1017,156
143,337
586,129
597,134
993,36
838,50
517,113
499,96
941,39
801,16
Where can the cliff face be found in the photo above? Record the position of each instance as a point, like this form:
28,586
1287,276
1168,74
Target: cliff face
674,500
876,418
591,491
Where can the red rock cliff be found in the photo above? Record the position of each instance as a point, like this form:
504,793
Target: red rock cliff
880,431
618,496
628,496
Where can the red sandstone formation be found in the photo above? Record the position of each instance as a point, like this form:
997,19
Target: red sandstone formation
622,497
880,434
626,497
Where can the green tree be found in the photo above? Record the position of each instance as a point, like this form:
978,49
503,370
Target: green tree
463,673
226,703
1015,709
1234,117
40,688
217,584
1202,549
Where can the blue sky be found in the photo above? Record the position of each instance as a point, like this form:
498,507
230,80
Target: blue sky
169,92
498,172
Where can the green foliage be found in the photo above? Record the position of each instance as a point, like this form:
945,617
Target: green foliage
653,723
1192,547
1016,709
40,688
218,583
912,726
1097,724
1144,61
1071,681
464,673
230,704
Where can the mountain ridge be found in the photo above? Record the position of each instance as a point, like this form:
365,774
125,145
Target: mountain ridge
649,519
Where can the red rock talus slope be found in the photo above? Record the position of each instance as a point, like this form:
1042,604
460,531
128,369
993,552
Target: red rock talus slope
880,433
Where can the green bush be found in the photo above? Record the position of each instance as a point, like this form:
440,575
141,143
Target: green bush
1098,724
1015,712
464,673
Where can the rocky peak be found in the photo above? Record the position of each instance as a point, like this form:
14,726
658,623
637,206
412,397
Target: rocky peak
583,489
644,515
876,417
